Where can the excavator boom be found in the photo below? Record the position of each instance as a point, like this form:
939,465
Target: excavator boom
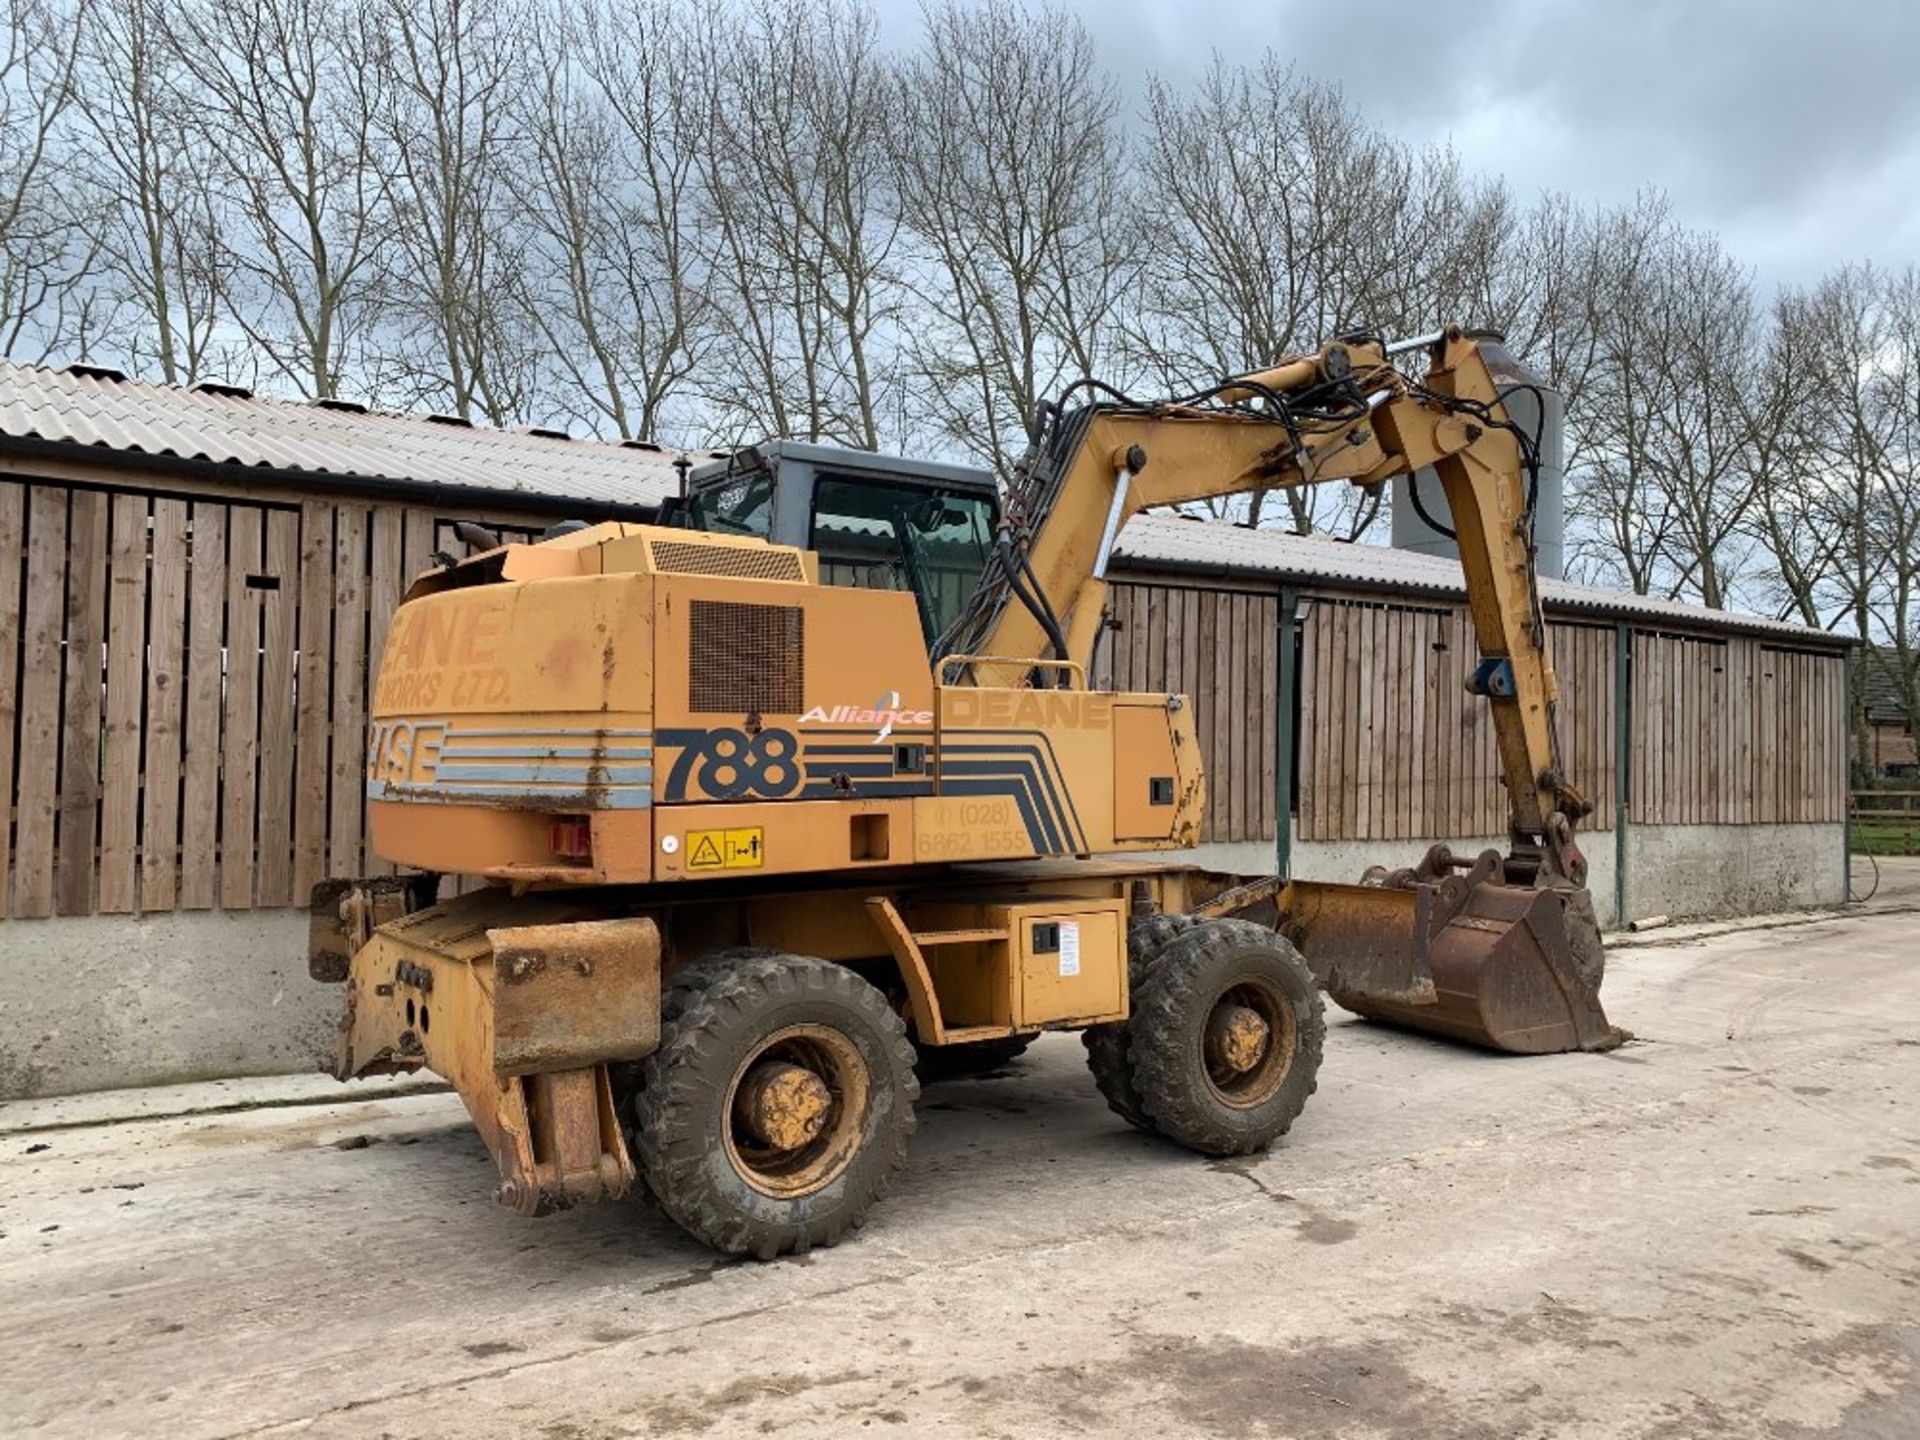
1514,971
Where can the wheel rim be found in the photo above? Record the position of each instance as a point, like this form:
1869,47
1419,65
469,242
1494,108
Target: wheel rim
1248,1042
795,1110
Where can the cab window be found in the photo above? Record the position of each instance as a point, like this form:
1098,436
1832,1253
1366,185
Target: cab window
900,537
742,506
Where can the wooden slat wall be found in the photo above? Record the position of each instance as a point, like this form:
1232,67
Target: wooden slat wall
1218,648
183,693
1392,746
1735,732
184,687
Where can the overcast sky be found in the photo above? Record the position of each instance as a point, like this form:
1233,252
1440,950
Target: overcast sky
1792,127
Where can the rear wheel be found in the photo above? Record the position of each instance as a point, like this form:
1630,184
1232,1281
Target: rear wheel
972,1057
778,1106
1108,1045
1226,1037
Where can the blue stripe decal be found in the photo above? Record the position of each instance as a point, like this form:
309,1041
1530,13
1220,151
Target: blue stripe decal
636,797
869,790
1004,789
1053,761
1050,768
1026,761
1030,792
581,775
530,733
541,752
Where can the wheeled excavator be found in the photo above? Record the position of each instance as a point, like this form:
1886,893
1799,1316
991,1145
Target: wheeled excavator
756,838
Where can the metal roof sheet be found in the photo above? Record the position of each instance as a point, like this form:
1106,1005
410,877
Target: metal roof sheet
1195,545
133,417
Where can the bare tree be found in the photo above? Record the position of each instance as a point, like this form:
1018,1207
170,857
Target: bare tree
146,159
1012,183
1664,492
617,268
1893,452
1846,529
46,248
1797,551
288,90
794,184
449,71
1539,287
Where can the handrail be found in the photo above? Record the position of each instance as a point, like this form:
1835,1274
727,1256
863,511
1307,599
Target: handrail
1073,667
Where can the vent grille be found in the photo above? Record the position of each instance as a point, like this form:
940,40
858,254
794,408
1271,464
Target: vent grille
741,562
746,659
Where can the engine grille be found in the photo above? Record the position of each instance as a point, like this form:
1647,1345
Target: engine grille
746,659
739,562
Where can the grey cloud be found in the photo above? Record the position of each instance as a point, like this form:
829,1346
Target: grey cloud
1791,128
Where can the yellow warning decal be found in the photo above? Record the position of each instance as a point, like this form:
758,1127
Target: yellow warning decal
726,849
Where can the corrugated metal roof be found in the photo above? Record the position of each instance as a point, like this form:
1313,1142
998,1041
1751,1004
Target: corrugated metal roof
1194,545
133,417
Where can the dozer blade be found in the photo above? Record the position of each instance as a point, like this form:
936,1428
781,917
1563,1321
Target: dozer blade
1490,964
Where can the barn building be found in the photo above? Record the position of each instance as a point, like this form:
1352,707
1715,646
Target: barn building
194,582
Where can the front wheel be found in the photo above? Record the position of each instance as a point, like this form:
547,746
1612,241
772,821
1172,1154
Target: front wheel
1225,1038
1109,1046
778,1106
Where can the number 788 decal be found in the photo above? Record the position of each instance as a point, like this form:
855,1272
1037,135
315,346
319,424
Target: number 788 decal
727,764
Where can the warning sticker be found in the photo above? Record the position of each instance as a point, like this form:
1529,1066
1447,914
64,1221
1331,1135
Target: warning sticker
1069,948
726,849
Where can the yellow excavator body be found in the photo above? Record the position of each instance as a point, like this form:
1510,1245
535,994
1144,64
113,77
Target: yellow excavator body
708,792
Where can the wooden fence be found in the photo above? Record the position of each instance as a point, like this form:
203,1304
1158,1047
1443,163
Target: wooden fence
184,679
1217,647
183,692
1393,747
1389,745
1733,731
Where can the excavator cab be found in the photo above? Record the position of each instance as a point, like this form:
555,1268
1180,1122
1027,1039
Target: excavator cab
878,522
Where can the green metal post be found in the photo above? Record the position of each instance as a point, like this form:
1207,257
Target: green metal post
1622,761
1283,738
1846,776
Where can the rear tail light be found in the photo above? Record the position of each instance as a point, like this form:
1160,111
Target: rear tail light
570,837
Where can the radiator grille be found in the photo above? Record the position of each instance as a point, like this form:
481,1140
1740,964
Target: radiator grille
741,562
746,659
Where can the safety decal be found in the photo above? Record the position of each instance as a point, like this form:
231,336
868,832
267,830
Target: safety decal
738,849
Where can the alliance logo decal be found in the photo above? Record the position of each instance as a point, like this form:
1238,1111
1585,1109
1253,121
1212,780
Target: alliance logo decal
885,712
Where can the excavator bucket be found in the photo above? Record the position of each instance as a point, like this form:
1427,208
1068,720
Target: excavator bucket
1468,957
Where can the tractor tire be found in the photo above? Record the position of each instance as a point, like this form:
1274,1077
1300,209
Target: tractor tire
934,1063
1226,1038
779,1104
1107,1045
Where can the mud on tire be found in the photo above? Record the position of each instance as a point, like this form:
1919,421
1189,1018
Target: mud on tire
1226,1037
742,1024
1107,1045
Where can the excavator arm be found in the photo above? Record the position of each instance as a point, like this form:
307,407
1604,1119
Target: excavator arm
1364,422
1506,951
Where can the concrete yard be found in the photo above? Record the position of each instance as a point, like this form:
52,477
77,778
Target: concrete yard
1715,1231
